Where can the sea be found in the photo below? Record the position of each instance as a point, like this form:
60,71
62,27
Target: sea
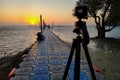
14,39
67,35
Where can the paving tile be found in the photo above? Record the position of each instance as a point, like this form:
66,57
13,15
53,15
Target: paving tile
41,62
55,62
53,54
54,57
42,57
40,70
57,68
64,54
64,61
24,71
64,57
27,64
40,77
21,77
82,67
83,76
56,76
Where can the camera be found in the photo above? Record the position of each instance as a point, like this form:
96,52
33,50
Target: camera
81,12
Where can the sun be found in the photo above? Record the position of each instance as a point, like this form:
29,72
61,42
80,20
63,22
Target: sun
33,23
33,20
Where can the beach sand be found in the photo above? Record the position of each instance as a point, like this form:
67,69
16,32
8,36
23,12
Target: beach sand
105,54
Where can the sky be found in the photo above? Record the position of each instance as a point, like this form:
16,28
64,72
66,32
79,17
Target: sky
27,12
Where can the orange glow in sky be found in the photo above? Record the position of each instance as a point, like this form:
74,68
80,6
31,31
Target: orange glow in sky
27,12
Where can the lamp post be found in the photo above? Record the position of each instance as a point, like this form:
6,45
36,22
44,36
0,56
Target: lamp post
41,22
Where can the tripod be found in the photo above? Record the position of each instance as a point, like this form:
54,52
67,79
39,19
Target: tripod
76,46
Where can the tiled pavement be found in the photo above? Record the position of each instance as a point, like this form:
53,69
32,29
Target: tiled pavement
47,60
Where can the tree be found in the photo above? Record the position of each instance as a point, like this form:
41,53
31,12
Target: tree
105,13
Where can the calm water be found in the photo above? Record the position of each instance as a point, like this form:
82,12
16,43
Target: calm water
16,39
66,34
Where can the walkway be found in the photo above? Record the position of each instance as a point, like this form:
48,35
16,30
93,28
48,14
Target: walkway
47,60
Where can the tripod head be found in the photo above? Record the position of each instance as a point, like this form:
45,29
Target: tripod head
77,31
82,29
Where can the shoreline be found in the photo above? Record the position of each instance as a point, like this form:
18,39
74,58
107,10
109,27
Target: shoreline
8,63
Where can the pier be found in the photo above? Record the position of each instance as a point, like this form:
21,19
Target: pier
47,60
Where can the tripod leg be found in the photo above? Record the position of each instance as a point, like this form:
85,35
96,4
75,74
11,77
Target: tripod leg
69,60
89,61
77,60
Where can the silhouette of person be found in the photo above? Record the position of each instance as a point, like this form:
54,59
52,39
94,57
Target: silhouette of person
40,36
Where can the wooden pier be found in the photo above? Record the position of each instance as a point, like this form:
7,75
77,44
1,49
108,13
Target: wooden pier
47,60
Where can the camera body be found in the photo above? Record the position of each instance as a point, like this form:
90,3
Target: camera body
81,12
